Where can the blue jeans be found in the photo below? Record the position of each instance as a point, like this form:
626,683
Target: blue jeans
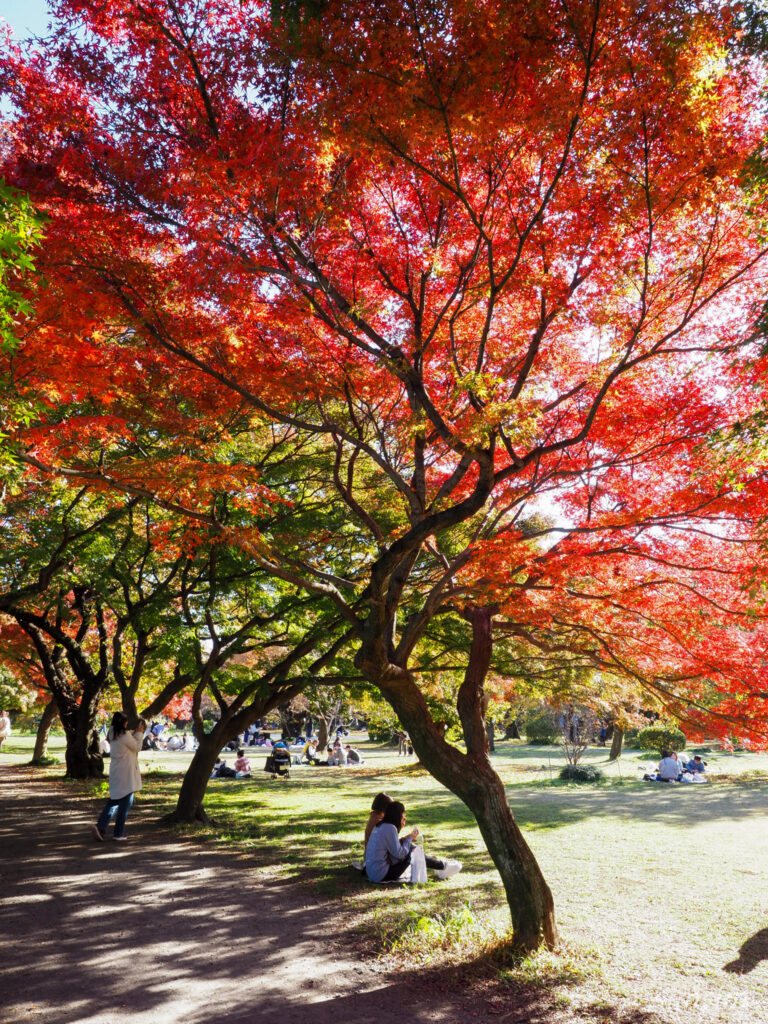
121,806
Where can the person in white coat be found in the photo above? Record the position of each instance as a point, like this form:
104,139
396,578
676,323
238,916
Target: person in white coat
5,727
124,775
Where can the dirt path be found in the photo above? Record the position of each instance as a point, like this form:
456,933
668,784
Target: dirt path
159,929
167,930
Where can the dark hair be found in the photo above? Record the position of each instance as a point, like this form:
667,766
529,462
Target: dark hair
119,723
381,802
241,753
393,814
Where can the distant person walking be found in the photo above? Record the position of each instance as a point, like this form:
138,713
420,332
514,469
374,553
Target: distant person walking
124,775
5,727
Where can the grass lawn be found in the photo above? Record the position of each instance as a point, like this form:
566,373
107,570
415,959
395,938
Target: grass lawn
661,892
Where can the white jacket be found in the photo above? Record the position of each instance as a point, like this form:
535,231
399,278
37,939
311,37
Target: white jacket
124,774
5,727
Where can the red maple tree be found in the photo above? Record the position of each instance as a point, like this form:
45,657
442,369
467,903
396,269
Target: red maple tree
498,264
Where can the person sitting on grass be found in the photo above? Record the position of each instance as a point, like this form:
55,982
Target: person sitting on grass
386,855
669,767
309,753
384,847
339,754
221,770
696,766
353,756
149,742
380,803
242,765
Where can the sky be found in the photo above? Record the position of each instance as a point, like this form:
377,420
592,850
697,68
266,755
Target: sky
26,17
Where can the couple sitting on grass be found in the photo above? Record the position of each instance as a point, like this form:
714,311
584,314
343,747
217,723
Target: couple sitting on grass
386,855
675,769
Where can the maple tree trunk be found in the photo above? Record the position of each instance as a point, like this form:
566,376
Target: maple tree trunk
491,733
616,743
82,757
322,735
528,895
43,730
189,806
480,788
472,778
512,731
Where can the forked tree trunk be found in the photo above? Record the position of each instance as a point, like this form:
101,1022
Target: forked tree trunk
472,778
616,743
83,757
43,731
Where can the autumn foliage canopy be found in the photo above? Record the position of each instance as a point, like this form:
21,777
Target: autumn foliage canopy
494,269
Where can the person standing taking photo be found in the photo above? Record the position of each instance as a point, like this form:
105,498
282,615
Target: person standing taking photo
5,727
124,775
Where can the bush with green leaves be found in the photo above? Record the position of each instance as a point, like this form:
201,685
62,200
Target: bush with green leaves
581,773
540,727
661,738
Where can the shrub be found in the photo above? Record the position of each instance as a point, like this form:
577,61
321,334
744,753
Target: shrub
540,727
661,738
581,773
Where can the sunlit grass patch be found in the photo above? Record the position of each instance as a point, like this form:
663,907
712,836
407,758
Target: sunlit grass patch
546,968
458,930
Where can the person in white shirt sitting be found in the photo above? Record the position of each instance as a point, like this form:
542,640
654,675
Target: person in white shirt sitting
669,768
386,855
338,755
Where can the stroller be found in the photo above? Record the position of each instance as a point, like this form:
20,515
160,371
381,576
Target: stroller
278,763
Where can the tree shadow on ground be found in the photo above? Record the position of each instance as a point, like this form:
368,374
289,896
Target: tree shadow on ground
168,929
751,953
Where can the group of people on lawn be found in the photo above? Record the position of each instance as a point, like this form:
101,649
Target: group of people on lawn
673,768
387,855
281,755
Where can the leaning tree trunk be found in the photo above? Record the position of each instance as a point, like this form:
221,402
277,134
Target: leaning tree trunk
528,895
43,730
189,805
616,743
472,778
